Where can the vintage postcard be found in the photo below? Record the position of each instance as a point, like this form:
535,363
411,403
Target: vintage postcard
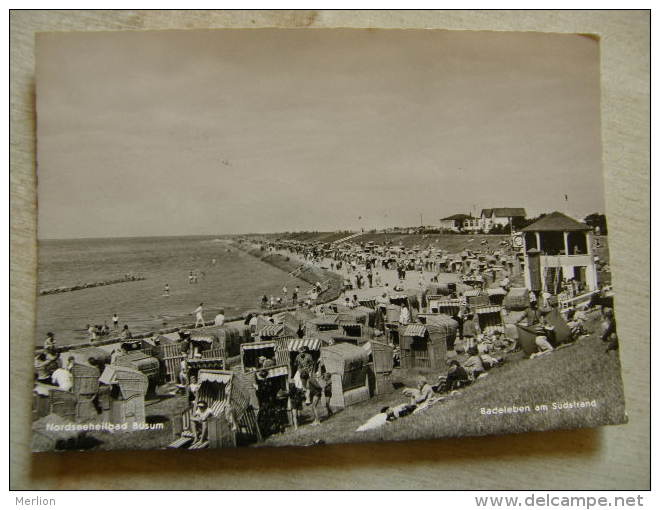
276,237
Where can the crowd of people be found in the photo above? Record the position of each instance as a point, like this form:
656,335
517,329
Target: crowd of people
368,271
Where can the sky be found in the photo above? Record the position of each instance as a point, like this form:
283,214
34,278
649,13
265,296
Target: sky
272,130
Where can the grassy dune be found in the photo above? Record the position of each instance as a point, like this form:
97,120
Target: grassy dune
581,372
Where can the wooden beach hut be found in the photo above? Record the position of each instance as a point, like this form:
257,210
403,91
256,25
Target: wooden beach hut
232,422
263,392
444,305
323,324
170,354
194,365
75,405
381,356
347,365
274,350
476,297
406,298
295,345
496,295
425,345
85,388
275,332
489,317
128,388
140,361
517,299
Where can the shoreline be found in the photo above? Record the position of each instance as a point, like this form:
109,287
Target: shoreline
280,263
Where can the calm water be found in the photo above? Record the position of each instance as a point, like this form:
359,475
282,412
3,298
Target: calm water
236,282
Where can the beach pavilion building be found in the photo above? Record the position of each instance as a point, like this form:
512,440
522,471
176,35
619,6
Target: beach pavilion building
557,247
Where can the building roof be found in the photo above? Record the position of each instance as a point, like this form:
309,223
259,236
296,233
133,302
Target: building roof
504,212
556,222
460,217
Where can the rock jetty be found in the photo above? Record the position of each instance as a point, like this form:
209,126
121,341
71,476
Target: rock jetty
89,285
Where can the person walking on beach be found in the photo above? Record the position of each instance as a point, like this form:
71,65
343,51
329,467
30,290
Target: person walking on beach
115,321
199,315
91,330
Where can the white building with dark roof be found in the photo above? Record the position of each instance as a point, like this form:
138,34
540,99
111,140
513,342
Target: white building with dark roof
502,216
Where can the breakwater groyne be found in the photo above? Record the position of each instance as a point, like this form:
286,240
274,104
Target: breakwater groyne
90,285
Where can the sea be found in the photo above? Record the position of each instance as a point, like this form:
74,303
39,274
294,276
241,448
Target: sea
228,278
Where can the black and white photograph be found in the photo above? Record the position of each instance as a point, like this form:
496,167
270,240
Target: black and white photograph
298,237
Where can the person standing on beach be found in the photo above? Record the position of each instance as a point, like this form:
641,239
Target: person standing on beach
220,318
167,289
284,293
199,315
294,297
50,341
115,321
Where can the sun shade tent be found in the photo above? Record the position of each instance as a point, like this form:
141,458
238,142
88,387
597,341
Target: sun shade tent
129,387
274,350
348,366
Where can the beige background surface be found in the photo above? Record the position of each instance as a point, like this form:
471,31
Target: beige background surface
608,457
